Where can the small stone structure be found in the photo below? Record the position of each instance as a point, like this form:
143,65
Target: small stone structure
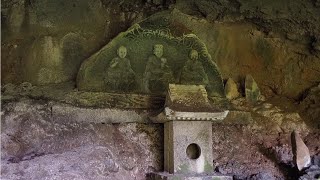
252,90
187,119
301,154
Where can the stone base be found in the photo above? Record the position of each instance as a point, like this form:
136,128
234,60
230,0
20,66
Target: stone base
188,147
176,176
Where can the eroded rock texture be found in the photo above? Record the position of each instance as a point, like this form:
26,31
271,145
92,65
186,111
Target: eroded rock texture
46,41
271,16
310,104
43,139
37,146
277,42
151,73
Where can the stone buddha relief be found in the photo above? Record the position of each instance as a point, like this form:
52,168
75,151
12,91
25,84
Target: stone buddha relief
119,75
156,58
193,72
158,74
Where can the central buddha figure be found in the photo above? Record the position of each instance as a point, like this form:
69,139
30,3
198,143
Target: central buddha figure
158,74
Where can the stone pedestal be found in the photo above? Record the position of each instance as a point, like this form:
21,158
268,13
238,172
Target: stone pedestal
188,147
177,176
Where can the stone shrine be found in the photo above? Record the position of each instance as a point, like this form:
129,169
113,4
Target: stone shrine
187,119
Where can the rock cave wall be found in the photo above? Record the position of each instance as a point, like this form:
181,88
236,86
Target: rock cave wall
45,42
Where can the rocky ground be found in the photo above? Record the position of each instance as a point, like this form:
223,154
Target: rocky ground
252,143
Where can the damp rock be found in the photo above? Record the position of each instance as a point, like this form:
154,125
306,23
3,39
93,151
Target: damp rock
283,154
231,89
312,173
301,154
316,160
238,117
157,2
278,120
262,176
16,16
39,142
252,90
8,88
311,103
24,88
262,98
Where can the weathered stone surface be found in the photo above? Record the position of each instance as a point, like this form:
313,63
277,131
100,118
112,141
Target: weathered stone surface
119,74
276,120
262,53
193,72
283,154
150,69
157,2
167,176
29,135
231,89
238,117
100,164
272,16
65,112
8,89
189,98
266,58
54,60
272,117
187,151
37,146
313,172
310,105
262,176
16,16
23,89
94,21
301,154
65,93
251,89
189,103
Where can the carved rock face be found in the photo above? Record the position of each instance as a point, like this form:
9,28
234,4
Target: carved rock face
301,153
158,50
122,52
194,55
156,57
